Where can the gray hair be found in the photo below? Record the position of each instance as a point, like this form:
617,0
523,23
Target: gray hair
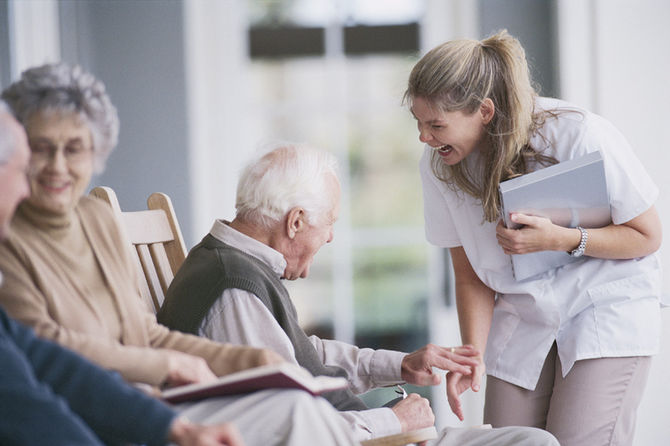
7,142
62,88
288,176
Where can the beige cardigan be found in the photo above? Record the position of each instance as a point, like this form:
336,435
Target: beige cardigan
39,290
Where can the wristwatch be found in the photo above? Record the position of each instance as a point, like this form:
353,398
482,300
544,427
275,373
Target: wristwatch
579,250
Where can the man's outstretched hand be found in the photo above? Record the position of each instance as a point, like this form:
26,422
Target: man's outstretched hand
417,367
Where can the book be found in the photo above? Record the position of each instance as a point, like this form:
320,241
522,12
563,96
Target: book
415,436
283,375
571,193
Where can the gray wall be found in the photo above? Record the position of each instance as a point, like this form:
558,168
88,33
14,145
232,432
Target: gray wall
5,73
533,22
136,48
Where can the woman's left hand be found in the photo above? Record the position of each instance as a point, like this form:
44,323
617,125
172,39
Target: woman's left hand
458,383
536,234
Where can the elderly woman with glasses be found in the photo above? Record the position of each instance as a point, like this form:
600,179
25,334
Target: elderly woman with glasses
68,274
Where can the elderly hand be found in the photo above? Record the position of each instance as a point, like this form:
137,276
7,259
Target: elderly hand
458,383
414,412
186,369
417,367
536,234
185,433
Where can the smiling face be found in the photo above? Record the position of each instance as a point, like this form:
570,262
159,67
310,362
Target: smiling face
305,239
455,134
61,162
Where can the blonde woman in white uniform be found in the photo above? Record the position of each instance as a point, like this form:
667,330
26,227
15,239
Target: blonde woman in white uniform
567,350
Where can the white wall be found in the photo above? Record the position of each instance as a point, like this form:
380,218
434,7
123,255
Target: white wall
633,70
33,34
215,48
615,61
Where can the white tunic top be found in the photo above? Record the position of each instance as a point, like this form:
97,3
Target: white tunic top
592,308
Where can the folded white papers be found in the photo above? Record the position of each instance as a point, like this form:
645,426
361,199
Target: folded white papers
572,193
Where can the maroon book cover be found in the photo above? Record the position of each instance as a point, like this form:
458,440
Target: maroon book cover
267,377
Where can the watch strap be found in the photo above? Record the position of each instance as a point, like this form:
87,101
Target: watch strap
579,250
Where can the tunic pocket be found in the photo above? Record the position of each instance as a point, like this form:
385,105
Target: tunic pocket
635,287
627,315
503,325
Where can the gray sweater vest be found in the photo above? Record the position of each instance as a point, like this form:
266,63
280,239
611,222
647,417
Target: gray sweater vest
212,267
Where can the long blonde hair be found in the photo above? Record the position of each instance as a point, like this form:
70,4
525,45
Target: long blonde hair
460,75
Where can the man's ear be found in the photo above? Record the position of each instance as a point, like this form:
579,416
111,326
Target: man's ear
487,110
295,222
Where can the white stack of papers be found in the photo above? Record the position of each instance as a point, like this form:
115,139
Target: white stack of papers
572,193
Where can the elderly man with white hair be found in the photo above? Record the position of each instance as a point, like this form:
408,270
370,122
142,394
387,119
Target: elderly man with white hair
229,289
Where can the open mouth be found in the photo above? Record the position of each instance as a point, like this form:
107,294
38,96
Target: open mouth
443,150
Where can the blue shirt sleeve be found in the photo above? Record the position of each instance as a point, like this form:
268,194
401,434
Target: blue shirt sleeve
51,394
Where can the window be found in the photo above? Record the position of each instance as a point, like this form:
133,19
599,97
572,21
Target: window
338,85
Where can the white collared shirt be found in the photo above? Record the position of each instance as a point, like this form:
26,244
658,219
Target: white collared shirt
239,317
592,308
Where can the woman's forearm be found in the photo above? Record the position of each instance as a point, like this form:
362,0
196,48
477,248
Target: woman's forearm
638,237
474,302
475,310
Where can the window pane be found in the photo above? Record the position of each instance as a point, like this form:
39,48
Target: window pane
321,12
384,150
383,12
391,297
290,12
313,297
352,106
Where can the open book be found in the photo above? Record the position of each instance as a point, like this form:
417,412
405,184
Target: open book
572,193
283,375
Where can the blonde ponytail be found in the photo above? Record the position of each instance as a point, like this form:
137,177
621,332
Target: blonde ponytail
459,75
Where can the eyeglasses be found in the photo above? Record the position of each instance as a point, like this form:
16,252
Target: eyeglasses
73,152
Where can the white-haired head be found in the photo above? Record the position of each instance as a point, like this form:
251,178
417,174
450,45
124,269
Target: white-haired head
288,176
61,88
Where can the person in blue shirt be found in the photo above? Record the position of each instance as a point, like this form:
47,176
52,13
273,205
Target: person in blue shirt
50,394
